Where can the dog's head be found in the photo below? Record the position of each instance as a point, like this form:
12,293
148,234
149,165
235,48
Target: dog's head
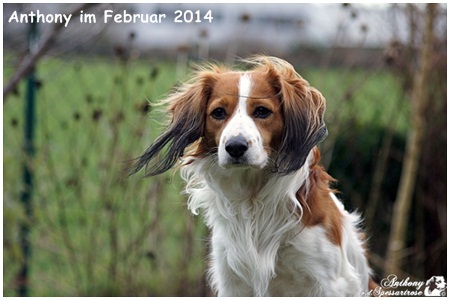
438,282
267,117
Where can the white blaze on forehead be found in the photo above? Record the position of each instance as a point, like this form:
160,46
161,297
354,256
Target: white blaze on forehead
245,84
240,121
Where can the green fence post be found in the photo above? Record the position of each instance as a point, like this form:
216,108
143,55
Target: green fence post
28,147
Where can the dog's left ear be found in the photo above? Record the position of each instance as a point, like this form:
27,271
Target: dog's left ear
303,109
187,106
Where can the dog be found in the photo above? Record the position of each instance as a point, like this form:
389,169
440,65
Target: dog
246,143
436,286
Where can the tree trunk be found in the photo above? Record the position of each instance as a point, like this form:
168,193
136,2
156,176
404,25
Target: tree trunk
402,205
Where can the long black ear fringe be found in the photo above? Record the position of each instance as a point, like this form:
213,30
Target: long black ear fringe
175,139
296,146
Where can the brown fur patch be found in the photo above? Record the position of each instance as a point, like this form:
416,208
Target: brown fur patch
318,206
263,94
224,95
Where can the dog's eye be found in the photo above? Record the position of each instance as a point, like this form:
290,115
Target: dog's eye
219,114
261,112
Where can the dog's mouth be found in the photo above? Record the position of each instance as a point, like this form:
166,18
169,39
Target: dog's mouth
241,163
236,163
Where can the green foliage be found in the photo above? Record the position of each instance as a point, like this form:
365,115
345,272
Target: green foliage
95,230
362,97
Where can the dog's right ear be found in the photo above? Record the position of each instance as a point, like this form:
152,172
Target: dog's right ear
187,106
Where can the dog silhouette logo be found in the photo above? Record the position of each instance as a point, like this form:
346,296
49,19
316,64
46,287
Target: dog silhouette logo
436,286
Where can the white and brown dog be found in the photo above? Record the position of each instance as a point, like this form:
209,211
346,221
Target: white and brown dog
247,142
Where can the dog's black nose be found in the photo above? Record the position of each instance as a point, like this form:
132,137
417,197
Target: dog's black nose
236,146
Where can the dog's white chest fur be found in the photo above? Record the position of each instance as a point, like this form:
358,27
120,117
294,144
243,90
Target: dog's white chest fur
259,247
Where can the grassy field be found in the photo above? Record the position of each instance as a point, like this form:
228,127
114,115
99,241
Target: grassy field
98,232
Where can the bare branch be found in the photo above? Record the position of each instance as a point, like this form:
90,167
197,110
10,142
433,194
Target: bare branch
402,205
29,61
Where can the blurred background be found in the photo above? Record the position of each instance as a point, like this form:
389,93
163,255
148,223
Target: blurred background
78,107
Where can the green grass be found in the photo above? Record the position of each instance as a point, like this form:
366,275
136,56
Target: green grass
366,96
97,231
